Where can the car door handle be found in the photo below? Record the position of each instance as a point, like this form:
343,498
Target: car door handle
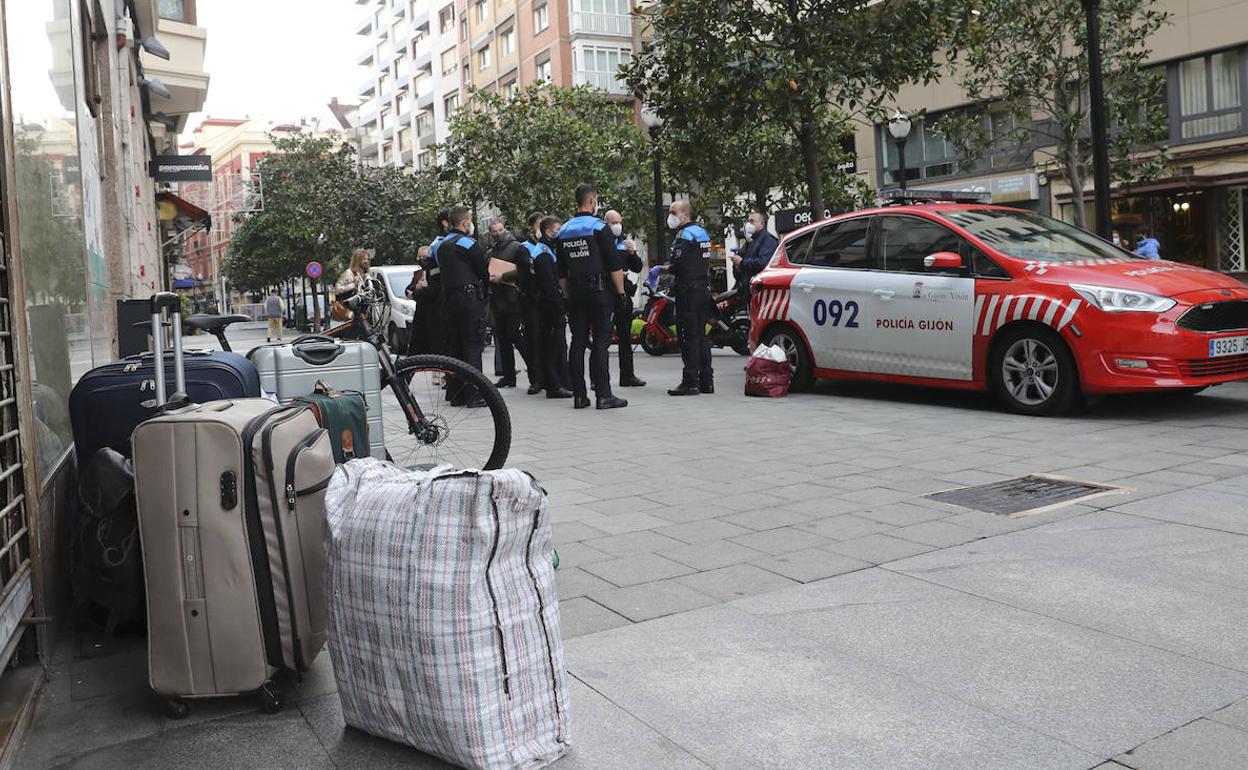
807,287
884,294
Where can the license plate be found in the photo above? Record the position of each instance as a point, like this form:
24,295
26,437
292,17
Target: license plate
1228,346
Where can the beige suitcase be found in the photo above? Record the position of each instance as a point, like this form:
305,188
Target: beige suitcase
231,499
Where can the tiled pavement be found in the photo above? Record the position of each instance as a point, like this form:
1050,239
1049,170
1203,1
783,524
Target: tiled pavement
687,528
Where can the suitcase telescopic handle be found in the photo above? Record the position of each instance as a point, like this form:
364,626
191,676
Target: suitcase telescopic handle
160,302
317,349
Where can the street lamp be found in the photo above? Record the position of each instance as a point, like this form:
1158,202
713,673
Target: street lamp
651,120
1100,143
899,128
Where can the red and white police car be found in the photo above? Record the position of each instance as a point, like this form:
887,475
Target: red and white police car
937,290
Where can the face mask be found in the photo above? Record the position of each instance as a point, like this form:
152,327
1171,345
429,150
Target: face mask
617,229
472,228
749,230
673,222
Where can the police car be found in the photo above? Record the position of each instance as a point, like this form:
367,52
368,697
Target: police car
942,289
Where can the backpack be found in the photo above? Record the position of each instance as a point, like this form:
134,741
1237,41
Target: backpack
108,560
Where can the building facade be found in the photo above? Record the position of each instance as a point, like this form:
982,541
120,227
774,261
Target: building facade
1198,209
425,56
79,101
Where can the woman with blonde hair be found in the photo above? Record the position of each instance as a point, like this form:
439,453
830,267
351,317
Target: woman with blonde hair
349,282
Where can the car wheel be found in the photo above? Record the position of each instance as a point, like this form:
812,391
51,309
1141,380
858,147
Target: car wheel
794,348
1033,372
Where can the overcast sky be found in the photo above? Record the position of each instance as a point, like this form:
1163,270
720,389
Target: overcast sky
280,59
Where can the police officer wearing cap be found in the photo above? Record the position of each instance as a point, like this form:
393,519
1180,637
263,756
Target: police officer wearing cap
630,260
465,283
690,264
589,264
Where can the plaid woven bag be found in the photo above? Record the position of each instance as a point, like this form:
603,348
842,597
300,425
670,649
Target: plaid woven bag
443,614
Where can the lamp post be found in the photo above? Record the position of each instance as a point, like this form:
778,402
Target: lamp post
651,120
1096,94
899,128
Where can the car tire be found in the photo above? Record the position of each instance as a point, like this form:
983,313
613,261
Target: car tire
799,357
650,344
1033,372
1181,392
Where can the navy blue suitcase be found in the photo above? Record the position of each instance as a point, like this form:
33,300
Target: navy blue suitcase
110,401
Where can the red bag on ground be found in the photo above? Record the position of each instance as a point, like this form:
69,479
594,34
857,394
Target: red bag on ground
765,376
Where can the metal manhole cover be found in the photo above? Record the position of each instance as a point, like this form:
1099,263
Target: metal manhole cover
1022,494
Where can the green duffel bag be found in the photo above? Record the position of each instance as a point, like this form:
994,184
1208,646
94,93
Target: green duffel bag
344,414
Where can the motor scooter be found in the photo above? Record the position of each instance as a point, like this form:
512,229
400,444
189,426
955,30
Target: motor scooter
729,325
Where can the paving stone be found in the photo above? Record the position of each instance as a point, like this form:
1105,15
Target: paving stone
937,533
1201,745
638,568
94,724
810,564
575,531
704,531
582,615
623,523
652,600
574,581
769,518
573,554
1234,715
844,527
712,555
781,540
902,514
876,496
728,583
878,549
644,541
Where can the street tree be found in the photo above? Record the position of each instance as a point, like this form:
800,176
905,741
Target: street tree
1028,63
528,152
717,71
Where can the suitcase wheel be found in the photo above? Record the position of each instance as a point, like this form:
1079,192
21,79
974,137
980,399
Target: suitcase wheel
177,708
270,703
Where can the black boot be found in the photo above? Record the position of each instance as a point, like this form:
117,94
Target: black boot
684,389
612,402
632,381
580,402
558,393
506,382
707,386
534,390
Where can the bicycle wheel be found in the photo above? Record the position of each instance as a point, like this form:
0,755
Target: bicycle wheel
465,437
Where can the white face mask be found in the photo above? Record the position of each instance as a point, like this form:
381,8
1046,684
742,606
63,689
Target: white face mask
472,228
673,222
617,229
749,230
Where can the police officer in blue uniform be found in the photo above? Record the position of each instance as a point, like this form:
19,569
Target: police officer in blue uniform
465,287
690,264
552,311
590,266
630,260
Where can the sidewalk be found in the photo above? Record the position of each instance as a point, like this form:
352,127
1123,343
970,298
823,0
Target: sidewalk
724,608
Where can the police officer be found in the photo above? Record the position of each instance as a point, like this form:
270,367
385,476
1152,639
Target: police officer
761,245
429,334
465,282
630,260
552,312
507,310
589,264
690,264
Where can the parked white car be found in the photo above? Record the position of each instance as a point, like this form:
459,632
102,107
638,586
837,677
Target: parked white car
402,310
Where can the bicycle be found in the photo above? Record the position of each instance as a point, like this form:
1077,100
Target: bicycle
464,436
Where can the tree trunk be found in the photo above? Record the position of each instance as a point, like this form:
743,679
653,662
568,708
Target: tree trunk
760,203
1075,178
810,159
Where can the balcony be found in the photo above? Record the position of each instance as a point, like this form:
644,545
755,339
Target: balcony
585,22
368,88
368,117
603,81
366,60
428,140
368,150
365,28
420,20
424,98
183,74
424,61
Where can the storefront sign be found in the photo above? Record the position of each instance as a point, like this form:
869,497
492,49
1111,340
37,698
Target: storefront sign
182,168
788,220
1004,189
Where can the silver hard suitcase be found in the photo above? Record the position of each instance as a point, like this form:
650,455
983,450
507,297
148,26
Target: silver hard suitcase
231,501
292,370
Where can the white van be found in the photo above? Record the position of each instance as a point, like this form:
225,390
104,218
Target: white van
402,310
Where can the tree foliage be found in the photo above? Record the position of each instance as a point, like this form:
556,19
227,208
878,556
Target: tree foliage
1030,61
320,205
528,152
50,227
778,83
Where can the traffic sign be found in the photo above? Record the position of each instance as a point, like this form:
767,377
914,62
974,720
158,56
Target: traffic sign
314,269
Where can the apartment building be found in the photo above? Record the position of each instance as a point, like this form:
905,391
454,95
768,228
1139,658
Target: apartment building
424,56
90,91
1198,209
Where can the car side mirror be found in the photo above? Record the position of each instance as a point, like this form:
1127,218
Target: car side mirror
943,262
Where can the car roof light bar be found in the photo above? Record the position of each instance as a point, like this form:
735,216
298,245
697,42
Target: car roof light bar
898,197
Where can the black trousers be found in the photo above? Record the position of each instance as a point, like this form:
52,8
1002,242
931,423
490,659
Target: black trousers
465,328
511,334
623,322
589,312
551,342
428,334
693,305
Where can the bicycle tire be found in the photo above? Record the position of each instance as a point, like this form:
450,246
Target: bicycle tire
406,366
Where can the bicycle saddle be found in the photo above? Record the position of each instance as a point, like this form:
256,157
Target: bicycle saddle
213,323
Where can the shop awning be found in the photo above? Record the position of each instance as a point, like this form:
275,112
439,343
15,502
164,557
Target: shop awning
172,207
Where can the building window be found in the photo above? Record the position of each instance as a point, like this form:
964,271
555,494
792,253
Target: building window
405,139
483,58
446,19
541,18
611,17
543,71
930,154
384,118
507,42
599,67
424,160
463,29
1210,95
424,124
176,10
511,89
448,61
450,104
483,11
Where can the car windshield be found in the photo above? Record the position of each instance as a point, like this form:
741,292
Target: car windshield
398,281
1033,237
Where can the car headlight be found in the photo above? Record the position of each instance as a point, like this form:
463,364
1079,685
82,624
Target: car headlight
1113,300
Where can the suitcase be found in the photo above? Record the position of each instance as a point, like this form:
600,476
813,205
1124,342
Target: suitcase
111,400
443,613
293,370
230,501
